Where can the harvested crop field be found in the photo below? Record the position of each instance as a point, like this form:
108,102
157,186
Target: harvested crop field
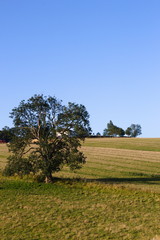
116,195
146,144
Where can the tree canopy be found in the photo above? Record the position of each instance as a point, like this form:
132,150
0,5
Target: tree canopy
112,130
134,130
6,134
56,131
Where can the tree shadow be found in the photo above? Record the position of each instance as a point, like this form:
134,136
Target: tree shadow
155,180
142,180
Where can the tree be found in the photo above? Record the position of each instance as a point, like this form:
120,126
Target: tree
134,130
128,131
6,134
98,134
120,132
55,129
113,130
105,132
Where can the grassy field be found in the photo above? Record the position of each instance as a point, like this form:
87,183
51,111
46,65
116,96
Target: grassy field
116,195
145,144
3,155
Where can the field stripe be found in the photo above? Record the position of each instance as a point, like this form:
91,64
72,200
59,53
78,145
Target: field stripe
131,162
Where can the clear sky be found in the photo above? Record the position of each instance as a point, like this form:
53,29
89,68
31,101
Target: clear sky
104,54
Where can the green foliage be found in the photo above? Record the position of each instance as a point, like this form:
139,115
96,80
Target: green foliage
98,134
57,132
113,130
6,134
128,131
120,132
105,132
18,166
134,130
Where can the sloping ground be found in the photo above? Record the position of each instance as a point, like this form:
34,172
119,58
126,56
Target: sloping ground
146,144
124,161
118,198
76,211
132,168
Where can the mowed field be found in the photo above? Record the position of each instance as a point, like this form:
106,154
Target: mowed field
116,195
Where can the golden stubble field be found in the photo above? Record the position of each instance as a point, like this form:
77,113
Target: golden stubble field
122,161
146,144
3,155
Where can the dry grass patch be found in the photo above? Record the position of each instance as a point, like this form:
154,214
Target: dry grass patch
3,155
137,169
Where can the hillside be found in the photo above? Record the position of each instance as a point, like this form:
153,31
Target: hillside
116,195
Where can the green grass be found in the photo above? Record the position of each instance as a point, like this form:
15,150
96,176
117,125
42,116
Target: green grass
145,144
116,195
76,210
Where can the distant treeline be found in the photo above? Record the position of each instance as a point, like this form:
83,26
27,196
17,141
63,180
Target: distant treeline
113,131
6,134
101,136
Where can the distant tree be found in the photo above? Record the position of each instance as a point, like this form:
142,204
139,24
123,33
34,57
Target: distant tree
128,131
134,130
120,132
105,132
98,134
113,130
55,129
6,134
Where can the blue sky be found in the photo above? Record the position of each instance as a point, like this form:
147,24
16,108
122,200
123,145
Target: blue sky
104,54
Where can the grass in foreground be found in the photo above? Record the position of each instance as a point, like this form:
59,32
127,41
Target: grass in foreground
126,206
76,211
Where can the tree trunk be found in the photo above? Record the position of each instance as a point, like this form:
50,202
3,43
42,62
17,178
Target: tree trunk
49,178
